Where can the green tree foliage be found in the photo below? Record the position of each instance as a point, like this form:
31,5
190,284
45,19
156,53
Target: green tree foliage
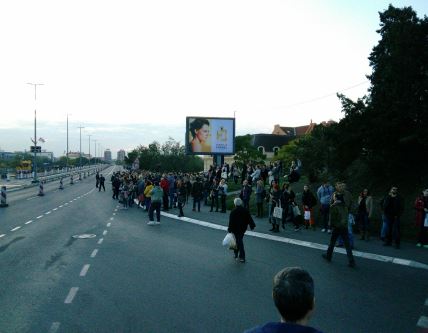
386,131
245,152
170,156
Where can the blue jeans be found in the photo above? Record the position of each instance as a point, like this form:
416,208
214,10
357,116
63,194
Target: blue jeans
384,229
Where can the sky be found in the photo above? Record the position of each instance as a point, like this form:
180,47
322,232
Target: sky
131,71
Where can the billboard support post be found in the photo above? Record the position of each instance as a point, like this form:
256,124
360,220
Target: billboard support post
218,160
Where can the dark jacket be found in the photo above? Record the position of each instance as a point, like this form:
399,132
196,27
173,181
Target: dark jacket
308,199
239,220
197,189
282,328
393,206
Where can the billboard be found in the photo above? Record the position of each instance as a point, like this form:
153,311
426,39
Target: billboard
210,136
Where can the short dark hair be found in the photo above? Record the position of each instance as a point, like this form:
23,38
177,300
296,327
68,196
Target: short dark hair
293,293
196,124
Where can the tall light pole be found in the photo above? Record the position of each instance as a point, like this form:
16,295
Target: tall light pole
95,144
35,129
89,154
80,149
66,154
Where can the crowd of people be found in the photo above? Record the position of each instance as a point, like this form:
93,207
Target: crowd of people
274,199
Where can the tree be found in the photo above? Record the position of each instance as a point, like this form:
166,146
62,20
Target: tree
245,152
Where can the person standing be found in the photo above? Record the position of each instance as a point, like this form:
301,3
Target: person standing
245,194
214,195
364,213
181,196
421,206
393,208
339,210
276,201
197,193
222,192
147,195
156,195
97,179
308,202
324,194
260,197
102,181
239,220
165,188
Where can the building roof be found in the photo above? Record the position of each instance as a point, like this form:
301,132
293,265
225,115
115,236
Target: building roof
270,141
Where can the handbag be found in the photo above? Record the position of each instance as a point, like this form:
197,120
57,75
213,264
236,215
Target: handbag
229,240
277,212
296,210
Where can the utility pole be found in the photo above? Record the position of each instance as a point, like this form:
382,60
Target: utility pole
95,146
89,156
66,154
80,149
35,130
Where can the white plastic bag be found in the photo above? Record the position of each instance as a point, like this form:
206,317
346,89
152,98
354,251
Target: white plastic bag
230,241
307,215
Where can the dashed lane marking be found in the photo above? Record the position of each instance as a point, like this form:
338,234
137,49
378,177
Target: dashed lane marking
55,209
2,235
365,255
71,294
54,327
16,228
94,253
47,213
111,218
100,241
108,225
105,232
39,217
84,270
114,213
28,222
31,198
60,206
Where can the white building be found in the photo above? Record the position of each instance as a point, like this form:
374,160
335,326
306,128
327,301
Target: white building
121,155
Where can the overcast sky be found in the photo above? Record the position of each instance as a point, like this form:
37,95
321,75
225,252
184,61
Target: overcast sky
131,71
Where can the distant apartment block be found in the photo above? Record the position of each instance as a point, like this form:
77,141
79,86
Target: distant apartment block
121,155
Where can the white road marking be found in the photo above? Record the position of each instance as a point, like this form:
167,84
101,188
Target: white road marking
84,270
108,225
14,229
94,253
365,255
2,235
55,191
422,322
71,201
114,214
47,213
60,206
54,327
115,210
100,241
39,217
72,293
55,209
66,204
111,218
105,232
28,222
31,198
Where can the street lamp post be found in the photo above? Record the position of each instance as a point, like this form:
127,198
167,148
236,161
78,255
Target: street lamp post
35,130
95,154
89,154
80,147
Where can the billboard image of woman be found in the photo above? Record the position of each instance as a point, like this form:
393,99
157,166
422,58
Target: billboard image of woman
199,135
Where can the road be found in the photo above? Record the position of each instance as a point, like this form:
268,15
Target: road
175,277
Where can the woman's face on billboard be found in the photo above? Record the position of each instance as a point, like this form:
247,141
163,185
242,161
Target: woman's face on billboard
202,133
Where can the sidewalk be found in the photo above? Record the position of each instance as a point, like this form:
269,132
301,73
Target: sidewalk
408,251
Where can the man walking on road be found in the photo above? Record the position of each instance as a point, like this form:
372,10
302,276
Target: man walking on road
102,180
239,220
339,215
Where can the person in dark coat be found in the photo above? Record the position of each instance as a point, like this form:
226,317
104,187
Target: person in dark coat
102,180
239,220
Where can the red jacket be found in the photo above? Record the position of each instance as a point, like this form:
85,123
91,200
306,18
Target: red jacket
164,184
420,214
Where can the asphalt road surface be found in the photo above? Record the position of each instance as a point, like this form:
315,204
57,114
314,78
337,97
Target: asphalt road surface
173,277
